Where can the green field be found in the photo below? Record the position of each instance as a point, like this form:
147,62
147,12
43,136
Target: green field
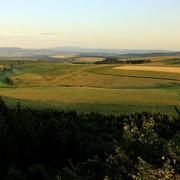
90,87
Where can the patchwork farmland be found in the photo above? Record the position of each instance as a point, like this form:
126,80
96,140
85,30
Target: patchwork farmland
109,88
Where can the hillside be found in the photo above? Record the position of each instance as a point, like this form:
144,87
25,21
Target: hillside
106,88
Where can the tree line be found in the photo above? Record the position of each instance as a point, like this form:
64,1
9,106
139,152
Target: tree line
113,60
47,144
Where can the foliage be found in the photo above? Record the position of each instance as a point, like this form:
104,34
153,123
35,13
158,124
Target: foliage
50,144
113,60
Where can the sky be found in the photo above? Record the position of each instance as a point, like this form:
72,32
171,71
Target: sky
120,24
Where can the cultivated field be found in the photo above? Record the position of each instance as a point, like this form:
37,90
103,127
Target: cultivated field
150,68
90,87
64,56
90,59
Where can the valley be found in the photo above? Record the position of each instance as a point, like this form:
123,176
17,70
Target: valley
105,88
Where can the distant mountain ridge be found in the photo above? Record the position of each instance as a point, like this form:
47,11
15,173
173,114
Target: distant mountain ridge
10,49
69,49
7,53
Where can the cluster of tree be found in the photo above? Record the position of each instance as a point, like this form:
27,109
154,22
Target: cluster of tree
1,70
138,61
113,60
49,144
9,80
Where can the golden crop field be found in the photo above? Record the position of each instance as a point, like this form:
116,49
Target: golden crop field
90,59
64,56
150,68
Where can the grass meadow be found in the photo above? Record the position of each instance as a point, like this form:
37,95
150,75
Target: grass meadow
91,87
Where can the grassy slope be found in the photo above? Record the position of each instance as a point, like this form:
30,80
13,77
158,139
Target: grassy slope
58,74
96,88
98,99
3,82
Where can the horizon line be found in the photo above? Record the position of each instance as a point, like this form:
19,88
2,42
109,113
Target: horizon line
80,47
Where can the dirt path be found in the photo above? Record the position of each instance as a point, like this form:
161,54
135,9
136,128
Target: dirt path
150,68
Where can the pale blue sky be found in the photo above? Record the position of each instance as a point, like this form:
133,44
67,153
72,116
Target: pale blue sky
127,24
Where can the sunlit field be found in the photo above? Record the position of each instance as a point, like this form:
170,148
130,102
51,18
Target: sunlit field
90,87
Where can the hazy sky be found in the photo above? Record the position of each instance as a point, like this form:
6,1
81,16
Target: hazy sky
128,24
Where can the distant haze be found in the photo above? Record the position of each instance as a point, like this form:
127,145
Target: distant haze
112,24
88,51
